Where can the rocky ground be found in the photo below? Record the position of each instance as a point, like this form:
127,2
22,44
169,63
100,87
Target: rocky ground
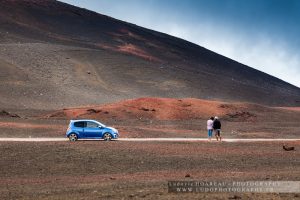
135,170
158,117
147,128
103,170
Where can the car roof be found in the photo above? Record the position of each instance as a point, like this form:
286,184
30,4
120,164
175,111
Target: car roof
84,120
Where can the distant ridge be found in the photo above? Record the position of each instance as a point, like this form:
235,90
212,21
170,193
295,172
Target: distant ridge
54,55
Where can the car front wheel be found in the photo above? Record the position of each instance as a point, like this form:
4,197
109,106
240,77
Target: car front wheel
73,137
107,136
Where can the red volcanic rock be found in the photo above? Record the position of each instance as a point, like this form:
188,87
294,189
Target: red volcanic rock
163,109
134,50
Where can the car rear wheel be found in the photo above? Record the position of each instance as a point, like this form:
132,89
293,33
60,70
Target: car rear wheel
107,136
73,137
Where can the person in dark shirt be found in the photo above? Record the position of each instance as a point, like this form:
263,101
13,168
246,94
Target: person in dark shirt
217,128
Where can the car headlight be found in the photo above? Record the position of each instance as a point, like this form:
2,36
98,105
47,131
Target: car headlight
115,130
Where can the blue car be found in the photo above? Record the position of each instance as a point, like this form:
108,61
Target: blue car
90,129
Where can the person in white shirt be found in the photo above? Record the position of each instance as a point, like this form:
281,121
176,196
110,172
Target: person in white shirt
210,123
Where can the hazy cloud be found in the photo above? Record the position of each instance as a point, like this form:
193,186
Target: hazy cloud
261,52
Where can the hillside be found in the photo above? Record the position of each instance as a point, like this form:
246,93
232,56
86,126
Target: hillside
176,109
54,55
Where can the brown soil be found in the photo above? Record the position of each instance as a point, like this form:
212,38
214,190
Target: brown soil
89,170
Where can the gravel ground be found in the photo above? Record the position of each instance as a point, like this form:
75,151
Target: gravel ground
89,169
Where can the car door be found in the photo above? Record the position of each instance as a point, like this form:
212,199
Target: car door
92,130
79,128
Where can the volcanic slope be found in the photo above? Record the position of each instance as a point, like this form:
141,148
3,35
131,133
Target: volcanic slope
176,109
54,55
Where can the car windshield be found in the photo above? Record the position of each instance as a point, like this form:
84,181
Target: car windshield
100,124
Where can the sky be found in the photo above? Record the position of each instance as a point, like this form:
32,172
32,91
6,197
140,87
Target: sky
263,34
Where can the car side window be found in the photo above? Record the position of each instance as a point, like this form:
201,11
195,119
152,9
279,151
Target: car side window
79,124
91,125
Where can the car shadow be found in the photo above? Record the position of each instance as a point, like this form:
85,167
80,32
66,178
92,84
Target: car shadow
95,140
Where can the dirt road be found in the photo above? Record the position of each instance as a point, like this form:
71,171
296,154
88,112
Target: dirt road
153,139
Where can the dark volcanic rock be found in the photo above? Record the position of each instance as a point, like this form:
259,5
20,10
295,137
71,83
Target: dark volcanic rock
287,148
90,111
242,115
4,113
187,176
